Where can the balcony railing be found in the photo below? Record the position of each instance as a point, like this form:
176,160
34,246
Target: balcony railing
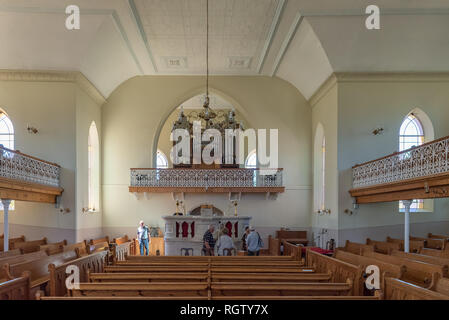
206,178
425,160
19,166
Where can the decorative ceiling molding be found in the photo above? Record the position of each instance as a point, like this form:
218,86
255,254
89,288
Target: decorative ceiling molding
323,90
136,18
392,76
75,77
273,28
288,38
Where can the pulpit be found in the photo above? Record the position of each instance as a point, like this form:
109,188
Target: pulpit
188,231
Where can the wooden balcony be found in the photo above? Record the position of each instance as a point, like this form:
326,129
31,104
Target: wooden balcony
26,178
221,180
418,173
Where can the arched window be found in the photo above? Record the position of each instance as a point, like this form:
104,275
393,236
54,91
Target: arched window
323,174
7,140
411,135
251,160
161,160
6,131
93,169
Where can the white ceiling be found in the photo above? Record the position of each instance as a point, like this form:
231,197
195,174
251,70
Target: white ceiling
301,41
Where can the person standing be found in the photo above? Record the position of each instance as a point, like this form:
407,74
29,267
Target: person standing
254,242
245,235
209,241
143,236
224,242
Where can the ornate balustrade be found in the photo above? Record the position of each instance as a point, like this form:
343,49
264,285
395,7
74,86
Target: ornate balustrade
425,160
24,177
206,180
417,173
19,166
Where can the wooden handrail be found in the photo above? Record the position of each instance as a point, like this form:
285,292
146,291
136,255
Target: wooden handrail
255,169
28,156
401,152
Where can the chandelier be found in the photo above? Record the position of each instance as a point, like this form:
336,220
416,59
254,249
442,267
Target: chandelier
207,114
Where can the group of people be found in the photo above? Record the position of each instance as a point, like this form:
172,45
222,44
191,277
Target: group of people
251,242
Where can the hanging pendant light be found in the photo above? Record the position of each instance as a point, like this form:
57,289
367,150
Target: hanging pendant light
207,114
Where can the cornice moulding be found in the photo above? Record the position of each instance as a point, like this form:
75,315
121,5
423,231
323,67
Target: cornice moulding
323,90
392,76
75,77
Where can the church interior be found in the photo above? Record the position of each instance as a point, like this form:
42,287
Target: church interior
338,166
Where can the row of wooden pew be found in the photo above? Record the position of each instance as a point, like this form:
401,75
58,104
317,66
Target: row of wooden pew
46,273
416,275
213,278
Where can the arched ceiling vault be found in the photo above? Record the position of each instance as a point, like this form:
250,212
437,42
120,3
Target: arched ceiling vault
300,41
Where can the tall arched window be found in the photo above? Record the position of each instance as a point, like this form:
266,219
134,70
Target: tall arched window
411,135
251,160
323,174
161,160
7,140
93,169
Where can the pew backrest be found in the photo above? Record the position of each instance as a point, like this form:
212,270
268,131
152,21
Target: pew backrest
274,246
29,246
24,257
94,263
421,257
396,289
384,247
357,248
16,289
414,245
9,253
435,253
100,240
431,243
121,240
341,271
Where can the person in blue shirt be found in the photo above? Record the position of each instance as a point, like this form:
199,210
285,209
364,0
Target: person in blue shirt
254,242
143,236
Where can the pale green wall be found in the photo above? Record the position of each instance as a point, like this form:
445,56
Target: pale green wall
365,105
140,106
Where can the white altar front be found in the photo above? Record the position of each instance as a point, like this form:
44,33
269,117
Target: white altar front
188,231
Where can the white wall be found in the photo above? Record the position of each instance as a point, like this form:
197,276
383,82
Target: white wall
137,110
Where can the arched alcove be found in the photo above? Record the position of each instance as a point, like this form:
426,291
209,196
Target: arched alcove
319,160
192,107
188,97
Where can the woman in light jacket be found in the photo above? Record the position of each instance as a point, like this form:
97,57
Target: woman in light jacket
224,242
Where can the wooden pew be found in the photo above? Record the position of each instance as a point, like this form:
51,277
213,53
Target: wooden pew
299,236
29,246
11,242
423,258
440,285
38,269
231,289
417,272
99,246
396,289
53,248
120,251
383,247
356,248
292,250
129,289
269,264
414,245
437,236
182,259
24,257
16,289
435,253
100,240
215,277
81,245
341,271
432,243
274,246
9,253
386,269
134,269
121,240
92,263
253,298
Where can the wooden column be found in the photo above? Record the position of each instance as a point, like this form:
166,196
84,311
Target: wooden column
6,203
407,205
